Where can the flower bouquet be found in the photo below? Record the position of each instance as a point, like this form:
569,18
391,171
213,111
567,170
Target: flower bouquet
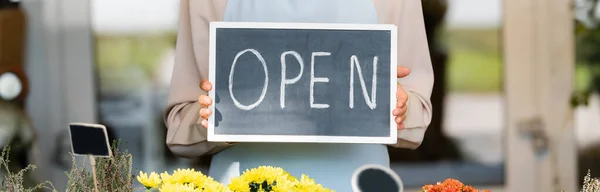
261,179
183,180
450,185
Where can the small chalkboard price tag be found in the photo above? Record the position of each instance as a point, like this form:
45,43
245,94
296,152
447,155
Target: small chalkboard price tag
90,140
376,178
303,82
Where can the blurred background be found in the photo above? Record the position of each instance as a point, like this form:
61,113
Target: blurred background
110,61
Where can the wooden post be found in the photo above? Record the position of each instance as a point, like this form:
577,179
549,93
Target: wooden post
93,163
539,69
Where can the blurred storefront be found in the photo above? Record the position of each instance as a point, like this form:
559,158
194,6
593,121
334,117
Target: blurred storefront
96,61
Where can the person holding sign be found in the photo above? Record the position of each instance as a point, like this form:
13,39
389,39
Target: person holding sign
330,164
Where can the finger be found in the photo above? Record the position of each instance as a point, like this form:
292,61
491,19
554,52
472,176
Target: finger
396,112
205,100
401,102
399,111
399,120
400,126
401,96
205,123
403,72
205,113
206,85
403,109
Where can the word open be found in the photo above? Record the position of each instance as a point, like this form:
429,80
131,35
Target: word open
370,100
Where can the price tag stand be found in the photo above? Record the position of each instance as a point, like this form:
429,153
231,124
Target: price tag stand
93,163
90,140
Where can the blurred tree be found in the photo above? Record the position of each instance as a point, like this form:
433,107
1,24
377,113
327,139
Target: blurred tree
436,145
587,34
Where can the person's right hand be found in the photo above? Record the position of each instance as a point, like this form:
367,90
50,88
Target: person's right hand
205,102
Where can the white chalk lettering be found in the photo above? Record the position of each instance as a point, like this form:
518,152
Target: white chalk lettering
314,80
371,102
264,91
285,81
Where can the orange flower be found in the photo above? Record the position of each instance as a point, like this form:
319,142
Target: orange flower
468,188
428,187
450,185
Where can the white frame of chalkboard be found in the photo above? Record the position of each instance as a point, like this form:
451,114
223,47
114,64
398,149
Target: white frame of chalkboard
98,126
392,139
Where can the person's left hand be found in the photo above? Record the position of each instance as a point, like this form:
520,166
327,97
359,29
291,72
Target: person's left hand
401,99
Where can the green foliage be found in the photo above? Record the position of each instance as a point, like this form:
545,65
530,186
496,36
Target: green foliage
113,174
474,64
79,179
13,182
587,45
118,56
587,31
139,50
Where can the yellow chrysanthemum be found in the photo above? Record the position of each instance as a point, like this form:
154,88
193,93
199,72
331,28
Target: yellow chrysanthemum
262,179
306,181
149,182
239,184
201,179
183,176
214,187
285,186
178,187
166,177
309,185
256,176
208,184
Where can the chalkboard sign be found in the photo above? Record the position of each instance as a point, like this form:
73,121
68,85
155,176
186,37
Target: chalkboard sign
302,82
89,139
376,178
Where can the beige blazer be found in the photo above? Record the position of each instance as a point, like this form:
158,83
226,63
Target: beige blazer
187,138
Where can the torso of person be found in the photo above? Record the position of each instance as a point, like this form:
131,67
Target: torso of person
329,164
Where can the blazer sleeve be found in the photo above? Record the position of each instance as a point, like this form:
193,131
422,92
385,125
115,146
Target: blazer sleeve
413,52
185,135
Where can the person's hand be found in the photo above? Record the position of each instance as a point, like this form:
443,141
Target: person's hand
205,102
401,99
